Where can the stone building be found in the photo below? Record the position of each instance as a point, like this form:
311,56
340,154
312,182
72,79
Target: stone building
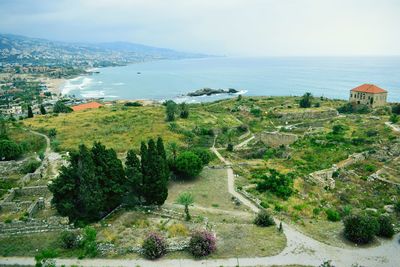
368,94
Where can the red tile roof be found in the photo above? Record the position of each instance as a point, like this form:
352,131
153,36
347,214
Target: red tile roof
86,106
369,88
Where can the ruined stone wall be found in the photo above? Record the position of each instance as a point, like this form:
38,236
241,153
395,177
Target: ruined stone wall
34,226
275,139
32,191
307,114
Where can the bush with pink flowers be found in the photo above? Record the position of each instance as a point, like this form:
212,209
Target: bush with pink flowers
202,243
154,246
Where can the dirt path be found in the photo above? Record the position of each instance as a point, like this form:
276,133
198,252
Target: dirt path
393,126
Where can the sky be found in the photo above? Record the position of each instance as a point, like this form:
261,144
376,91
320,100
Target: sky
220,27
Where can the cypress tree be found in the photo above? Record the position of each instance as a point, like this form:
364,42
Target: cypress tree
30,113
155,177
110,174
133,173
42,110
76,191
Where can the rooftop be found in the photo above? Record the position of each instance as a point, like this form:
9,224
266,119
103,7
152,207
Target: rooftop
86,106
369,88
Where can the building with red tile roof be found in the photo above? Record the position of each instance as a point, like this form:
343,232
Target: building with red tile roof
86,106
368,94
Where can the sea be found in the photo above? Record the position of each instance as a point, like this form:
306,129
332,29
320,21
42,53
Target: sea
330,77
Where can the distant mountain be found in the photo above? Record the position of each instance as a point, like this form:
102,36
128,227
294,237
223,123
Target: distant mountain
16,49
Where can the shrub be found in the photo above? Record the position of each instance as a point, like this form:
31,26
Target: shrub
256,112
332,215
397,206
229,147
178,229
278,183
360,228
69,239
30,166
202,243
88,242
154,246
396,109
44,258
133,104
264,219
52,133
9,150
394,118
188,164
204,154
354,108
385,226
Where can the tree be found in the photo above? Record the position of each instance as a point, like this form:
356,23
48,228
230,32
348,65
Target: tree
30,113
184,110
188,165
9,150
185,199
90,186
170,110
3,128
360,228
305,101
60,107
133,173
155,172
110,175
278,183
42,110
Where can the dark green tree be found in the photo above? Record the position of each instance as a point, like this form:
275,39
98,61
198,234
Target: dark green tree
76,191
155,172
3,128
9,150
188,165
60,107
305,101
110,174
133,173
30,113
42,110
278,183
170,110
183,110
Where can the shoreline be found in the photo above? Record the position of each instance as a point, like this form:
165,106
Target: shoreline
54,85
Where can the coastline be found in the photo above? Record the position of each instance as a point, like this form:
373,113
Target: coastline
54,85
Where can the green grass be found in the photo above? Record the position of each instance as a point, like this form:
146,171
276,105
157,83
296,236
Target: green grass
209,190
30,244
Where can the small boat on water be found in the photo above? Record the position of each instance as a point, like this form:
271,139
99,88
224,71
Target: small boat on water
138,72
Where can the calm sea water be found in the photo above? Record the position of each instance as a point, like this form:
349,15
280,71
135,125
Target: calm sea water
332,77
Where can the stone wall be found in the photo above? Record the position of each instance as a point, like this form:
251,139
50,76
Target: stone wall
275,139
306,114
34,226
325,177
32,191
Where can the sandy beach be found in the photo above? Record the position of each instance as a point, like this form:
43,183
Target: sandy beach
54,85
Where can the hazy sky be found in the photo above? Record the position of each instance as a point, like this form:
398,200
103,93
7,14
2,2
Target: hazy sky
231,27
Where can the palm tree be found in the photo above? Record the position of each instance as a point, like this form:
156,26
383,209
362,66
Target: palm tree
186,199
173,147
